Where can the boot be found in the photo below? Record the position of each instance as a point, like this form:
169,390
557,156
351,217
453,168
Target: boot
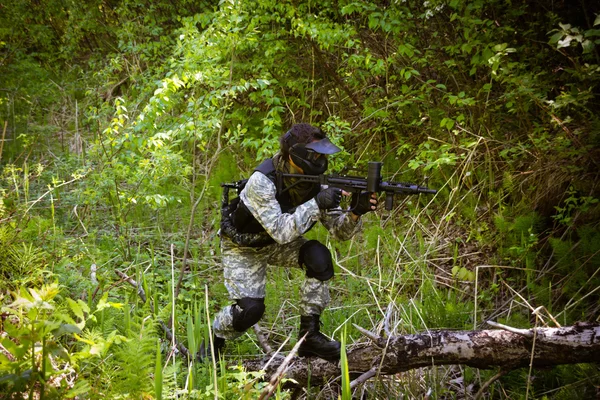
204,354
316,344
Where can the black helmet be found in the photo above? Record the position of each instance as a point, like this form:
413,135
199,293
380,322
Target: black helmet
310,157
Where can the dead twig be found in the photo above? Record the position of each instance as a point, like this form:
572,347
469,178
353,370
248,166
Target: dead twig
523,332
378,340
262,340
3,136
132,282
487,384
278,376
363,378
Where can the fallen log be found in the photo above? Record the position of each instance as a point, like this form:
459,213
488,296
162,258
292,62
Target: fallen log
505,348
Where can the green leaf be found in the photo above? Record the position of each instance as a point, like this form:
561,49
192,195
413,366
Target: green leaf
556,37
76,308
66,328
597,20
588,46
500,47
81,387
564,27
455,270
15,350
158,377
405,50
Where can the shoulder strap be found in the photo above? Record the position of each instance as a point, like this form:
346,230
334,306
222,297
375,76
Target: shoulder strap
266,167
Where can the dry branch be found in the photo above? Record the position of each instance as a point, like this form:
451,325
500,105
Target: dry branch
480,349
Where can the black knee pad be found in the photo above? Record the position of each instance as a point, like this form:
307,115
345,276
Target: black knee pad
316,257
246,312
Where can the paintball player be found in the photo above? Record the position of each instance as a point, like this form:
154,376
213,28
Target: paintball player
265,226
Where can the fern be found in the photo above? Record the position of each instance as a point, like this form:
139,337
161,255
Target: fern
23,265
136,361
171,373
563,255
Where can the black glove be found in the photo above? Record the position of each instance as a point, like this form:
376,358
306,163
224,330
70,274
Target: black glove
329,198
361,203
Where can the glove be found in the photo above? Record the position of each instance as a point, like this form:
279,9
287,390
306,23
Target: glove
361,203
329,198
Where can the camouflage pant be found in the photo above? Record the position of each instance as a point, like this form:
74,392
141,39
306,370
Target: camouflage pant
245,270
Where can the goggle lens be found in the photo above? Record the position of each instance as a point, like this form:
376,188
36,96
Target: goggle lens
313,156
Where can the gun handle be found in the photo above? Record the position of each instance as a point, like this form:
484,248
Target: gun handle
389,201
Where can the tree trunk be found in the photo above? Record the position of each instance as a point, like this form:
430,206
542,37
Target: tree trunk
507,349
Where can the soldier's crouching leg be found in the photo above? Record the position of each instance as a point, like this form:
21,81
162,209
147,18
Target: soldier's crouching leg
223,324
315,296
316,258
235,319
246,312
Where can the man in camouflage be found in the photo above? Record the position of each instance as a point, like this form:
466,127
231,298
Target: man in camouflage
265,227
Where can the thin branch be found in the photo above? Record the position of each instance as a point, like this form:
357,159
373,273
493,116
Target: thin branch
374,337
523,332
363,378
3,136
51,190
493,379
132,282
262,340
276,378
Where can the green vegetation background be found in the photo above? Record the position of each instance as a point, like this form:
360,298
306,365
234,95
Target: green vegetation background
120,118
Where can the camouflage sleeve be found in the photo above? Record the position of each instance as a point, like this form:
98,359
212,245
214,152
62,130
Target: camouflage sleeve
259,197
340,224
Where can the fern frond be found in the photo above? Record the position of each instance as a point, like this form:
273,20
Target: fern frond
136,360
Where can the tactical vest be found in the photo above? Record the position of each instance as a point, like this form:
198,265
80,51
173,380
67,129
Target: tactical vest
239,224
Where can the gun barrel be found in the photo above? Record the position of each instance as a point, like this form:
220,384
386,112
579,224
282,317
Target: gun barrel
427,190
405,188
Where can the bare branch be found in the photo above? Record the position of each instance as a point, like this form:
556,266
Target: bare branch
363,378
262,340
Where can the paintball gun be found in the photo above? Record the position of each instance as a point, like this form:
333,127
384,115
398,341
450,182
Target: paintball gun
372,184
353,184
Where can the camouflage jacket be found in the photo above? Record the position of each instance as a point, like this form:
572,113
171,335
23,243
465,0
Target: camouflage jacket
259,197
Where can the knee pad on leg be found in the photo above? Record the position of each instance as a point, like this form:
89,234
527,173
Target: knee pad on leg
316,257
246,312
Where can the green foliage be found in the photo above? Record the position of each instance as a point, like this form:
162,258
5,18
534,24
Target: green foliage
39,333
572,207
135,360
346,393
158,375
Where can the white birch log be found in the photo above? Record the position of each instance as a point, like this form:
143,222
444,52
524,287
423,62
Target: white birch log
483,349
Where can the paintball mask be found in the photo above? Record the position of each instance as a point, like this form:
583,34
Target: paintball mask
312,157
